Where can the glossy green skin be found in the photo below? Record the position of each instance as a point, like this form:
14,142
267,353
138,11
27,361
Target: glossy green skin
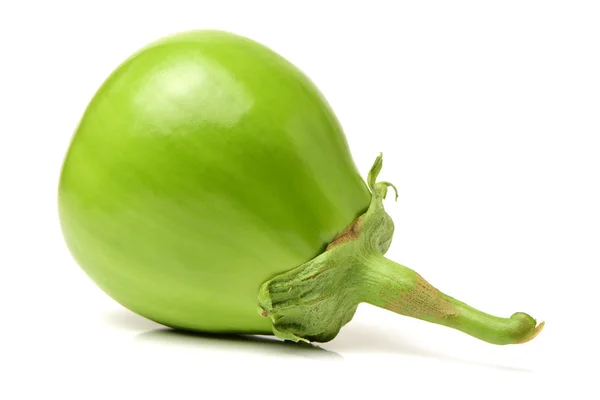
205,165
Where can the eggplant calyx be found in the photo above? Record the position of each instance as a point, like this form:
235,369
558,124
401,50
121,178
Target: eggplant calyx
313,301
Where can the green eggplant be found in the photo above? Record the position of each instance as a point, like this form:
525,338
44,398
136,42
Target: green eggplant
209,187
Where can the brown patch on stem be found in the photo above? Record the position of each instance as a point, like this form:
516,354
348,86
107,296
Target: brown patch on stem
352,232
421,301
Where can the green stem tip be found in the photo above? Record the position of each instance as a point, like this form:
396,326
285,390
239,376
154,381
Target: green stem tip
313,301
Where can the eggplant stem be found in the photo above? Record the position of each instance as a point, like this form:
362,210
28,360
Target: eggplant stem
313,301
400,289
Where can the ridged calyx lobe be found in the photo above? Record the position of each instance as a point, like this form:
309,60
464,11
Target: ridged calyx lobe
313,301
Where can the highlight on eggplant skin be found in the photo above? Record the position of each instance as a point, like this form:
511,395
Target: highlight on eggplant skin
209,187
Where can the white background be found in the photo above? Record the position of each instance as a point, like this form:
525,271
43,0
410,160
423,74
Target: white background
488,114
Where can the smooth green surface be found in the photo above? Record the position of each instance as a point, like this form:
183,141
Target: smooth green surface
313,301
205,165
